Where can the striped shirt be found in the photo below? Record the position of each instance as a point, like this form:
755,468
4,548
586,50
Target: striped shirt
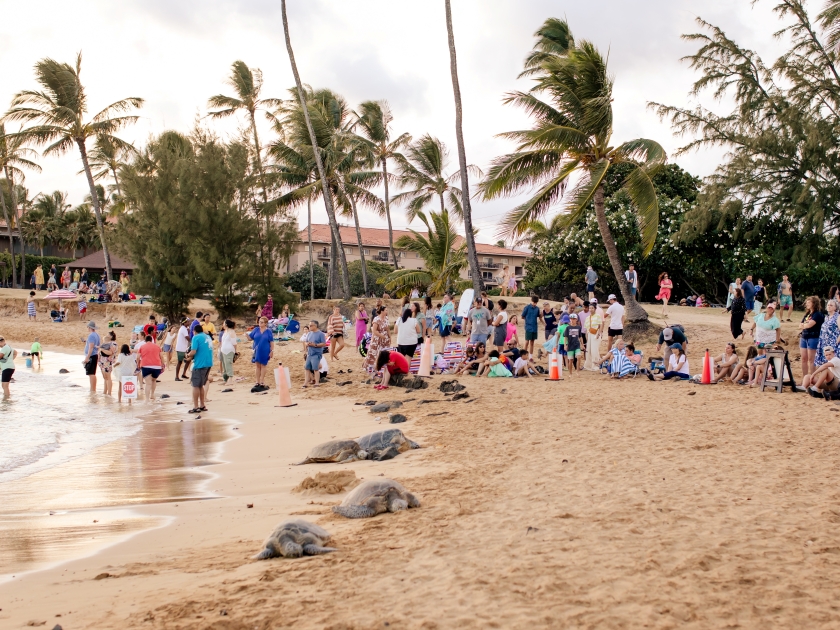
335,325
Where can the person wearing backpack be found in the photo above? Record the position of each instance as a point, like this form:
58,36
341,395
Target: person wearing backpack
7,365
674,333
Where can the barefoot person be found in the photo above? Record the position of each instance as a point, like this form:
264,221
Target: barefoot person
726,364
7,365
822,382
785,293
665,286
391,364
227,349
30,306
809,338
91,359
315,343
591,278
151,365
263,340
335,328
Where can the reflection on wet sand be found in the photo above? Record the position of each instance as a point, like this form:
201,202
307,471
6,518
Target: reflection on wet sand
49,517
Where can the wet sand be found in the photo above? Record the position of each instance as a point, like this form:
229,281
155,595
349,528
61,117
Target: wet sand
583,504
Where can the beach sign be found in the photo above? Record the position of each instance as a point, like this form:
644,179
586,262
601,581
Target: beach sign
129,386
465,303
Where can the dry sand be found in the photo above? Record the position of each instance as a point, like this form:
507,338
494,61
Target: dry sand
583,504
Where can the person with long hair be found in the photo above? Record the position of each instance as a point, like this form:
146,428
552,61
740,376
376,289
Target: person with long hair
726,363
742,372
429,315
809,338
738,308
665,286
263,339
107,355
833,291
505,281
380,337
391,364
677,366
829,333
417,313
361,323
407,329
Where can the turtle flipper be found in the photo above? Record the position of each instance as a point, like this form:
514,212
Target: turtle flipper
315,550
265,554
413,444
354,511
305,461
412,500
397,504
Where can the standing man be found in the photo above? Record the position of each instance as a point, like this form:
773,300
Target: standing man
669,336
478,322
591,279
748,289
616,315
532,316
785,293
550,320
7,365
182,347
632,280
92,354
594,332
447,316
201,354
195,323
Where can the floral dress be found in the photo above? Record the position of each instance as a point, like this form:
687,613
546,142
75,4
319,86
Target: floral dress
106,361
829,337
380,338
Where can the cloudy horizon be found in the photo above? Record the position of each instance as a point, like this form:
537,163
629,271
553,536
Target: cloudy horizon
176,55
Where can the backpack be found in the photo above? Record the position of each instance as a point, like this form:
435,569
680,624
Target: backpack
679,327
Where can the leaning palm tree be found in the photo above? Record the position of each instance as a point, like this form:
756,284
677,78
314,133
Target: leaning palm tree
444,258
472,252
37,227
52,208
57,113
14,157
572,134
108,157
328,202
374,126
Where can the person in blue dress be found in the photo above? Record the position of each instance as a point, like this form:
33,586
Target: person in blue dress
829,333
263,340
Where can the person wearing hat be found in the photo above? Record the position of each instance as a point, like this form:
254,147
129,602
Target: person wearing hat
594,332
669,336
823,381
572,342
616,315
767,329
91,360
677,366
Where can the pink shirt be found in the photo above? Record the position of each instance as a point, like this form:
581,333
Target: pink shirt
150,355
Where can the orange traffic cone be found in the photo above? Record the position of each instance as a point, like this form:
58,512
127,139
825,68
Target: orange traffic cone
426,358
555,367
707,370
284,384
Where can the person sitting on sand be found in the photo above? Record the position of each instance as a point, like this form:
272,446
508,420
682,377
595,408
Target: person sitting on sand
475,355
677,366
741,371
391,364
726,363
495,367
524,365
825,380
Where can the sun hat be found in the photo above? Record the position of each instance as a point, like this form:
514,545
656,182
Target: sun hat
611,297
92,325
668,334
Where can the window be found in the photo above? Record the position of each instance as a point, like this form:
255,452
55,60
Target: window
517,271
487,275
416,255
505,261
367,252
348,250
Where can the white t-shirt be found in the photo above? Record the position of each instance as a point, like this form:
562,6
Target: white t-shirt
672,364
616,313
520,363
835,363
170,337
323,366
406,331
228,341
503,317
635,278
126,365
183,342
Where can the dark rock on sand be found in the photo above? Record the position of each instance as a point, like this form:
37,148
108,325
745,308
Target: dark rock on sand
164,395
370,403
344,383
385,406
63,371
411,382
451,386
460,396
396,418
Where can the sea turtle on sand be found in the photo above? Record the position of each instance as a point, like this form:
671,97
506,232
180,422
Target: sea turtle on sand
385,444
375,497
335,451
295,538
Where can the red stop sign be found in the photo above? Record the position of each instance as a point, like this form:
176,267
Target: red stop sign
128,387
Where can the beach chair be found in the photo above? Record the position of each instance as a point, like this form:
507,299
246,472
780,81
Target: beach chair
414,364
453,354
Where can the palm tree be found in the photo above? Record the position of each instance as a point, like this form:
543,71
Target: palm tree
58,112
478,283
374,126
421,170
108,157
53,208
328,203
572,134
77,225
37,227
14,157
443,256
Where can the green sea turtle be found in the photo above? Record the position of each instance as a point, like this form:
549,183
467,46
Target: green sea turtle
295,538
335,451
385,444
375,497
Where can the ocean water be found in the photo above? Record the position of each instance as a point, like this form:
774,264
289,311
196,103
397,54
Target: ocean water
52,418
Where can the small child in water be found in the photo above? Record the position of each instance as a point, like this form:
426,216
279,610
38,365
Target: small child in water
125,365
36,352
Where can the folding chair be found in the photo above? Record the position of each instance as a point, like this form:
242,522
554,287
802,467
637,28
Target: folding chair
453,354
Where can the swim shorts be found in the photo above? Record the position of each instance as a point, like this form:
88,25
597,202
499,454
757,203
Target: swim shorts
786,300
153,372
531,336
181,356
7,375
90,366
199,376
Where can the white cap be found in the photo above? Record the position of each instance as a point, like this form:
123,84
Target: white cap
611,297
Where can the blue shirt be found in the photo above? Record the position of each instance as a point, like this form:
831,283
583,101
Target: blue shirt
316,337
531,315
194,323
92,343
748,289
203,357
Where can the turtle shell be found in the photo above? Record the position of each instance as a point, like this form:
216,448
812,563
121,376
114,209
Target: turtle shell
333,451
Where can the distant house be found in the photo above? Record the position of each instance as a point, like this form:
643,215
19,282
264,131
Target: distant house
491,259
96,262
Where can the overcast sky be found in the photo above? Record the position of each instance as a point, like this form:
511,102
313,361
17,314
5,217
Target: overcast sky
175,54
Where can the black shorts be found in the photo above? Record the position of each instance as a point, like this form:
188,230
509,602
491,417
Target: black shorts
7,375
616,332
199,376
35,354
90,366
150,371
407,350
337,335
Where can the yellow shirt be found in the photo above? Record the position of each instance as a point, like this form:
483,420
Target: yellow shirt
76,277
208,328
39,276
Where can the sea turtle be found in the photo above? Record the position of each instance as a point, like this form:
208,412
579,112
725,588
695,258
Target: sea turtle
295,538
335,451
374,497
385,444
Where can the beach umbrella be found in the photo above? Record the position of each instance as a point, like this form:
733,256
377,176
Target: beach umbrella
62,294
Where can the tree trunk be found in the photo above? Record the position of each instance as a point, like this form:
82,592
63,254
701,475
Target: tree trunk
117,182
311,268
361,248
96,210
11,237
472,254
634,314
388,214
345,275
17,221
264,192
332,282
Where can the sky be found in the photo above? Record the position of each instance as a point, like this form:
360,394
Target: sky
176,54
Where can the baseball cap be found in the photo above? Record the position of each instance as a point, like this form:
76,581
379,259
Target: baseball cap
573,316
668,334
611,297
676,346
593,301
564,319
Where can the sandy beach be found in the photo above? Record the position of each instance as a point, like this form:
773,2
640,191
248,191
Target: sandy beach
587,503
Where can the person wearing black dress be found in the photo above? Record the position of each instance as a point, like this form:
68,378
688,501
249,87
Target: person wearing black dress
738,308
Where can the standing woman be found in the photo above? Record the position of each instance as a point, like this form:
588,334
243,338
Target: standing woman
665,286
227,349
830,332
380,338
361,323
739,311
429,314
500,326
407,333
168,343
263,340
505,281
731,295
151,365
107,356
809,338
417,313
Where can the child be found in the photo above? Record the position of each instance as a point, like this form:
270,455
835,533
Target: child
30,306
495,366
82,308
36,352
524,365
168,343
571,343
125,366
315,343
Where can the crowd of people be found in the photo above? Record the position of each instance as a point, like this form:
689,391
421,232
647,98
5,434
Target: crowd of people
80,283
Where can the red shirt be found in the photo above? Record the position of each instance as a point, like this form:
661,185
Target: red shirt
397,363
149,329
150,355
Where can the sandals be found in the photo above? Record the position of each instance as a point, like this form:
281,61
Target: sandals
380,387
197,410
